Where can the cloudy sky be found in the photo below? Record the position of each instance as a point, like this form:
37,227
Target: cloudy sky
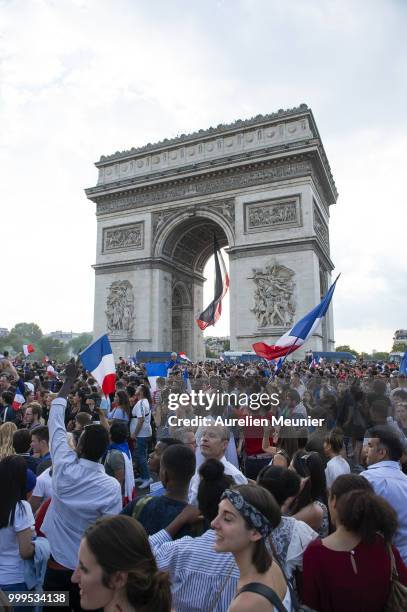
81,78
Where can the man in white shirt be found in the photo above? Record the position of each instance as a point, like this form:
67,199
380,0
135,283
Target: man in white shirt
384,474
82,492
337,465
213,443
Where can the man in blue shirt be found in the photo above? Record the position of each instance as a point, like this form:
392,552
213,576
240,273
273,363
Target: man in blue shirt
40,446
384,452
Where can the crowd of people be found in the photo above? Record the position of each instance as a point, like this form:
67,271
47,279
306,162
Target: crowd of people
106,499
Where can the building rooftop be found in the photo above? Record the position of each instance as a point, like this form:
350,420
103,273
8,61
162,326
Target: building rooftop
211,131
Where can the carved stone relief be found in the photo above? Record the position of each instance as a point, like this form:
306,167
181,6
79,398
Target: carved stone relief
273,215
123,237
274,296
320,227
225,208
205,185
323,280
160,219
120,307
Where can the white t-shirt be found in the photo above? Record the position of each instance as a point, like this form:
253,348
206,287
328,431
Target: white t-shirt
141,409
43,488
11,563
334,468
230,470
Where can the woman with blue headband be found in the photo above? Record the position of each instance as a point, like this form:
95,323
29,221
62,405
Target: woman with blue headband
246,517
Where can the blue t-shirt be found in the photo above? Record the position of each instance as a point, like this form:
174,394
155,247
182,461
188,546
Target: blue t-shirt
156,513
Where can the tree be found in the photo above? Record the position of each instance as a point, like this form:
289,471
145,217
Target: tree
380,356
28,332
80,342
56,349
226,345
345,348
399,347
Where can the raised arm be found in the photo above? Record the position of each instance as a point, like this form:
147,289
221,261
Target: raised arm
59,447
103,419
266,446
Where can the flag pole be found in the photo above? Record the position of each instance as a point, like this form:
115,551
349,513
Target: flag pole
291,349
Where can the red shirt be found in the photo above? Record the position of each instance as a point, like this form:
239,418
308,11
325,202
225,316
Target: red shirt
253,435
331,585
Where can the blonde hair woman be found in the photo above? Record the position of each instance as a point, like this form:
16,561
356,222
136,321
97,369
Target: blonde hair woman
6,439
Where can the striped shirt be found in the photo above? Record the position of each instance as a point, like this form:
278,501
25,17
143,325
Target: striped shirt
200,577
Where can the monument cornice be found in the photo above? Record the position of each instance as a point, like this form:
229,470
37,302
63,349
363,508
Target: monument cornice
282,246
207,183
148,263
231,162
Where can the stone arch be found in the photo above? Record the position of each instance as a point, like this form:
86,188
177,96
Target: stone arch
186,244
192,233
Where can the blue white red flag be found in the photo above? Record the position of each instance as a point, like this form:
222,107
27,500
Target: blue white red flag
98,359
212,313
19,398
295,338
156,370
184,357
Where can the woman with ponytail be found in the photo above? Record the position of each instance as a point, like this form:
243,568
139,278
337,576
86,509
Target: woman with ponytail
117,571
350,569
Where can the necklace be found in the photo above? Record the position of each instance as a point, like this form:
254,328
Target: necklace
353,562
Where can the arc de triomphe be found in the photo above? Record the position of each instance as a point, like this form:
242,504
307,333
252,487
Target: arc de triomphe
263,186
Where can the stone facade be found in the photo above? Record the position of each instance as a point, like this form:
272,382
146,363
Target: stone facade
262,186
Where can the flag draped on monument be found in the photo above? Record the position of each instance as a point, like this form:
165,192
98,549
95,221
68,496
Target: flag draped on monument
212,313
293,339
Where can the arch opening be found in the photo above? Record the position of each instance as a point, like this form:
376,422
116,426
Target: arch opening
189,247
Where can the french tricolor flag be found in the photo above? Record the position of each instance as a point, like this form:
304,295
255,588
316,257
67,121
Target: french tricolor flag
98,359
28,348
212,313
19,398
293,339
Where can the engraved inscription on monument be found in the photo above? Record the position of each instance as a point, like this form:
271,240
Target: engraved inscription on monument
274,296
120,308
273,214
123,237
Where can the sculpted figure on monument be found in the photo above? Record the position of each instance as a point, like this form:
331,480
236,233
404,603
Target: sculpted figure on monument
273,214
120,307
274,296
119,238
